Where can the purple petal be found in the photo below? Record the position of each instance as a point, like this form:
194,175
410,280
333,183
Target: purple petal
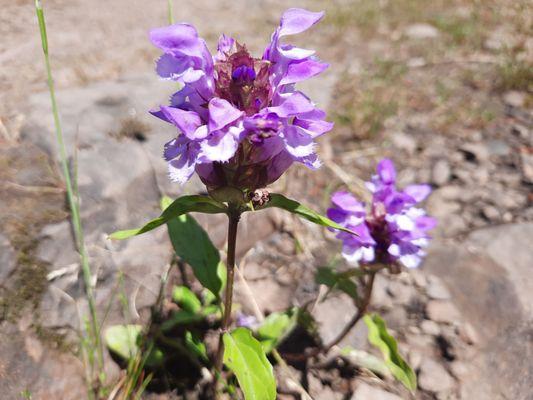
297,142
386,171
337,215
179,40
300,71
278,165
183,156
220,147
418,192
169,66
187,121
225,44
221,113
425,223
297,20
296,103
347,202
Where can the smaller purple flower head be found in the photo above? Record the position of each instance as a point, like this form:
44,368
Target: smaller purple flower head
240,120
392,230
246,321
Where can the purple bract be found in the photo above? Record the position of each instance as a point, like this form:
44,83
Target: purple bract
241,121
393,230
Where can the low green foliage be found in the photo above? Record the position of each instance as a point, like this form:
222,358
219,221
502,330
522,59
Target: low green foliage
186,299
379,337
338,280
126,342
245,357
276,327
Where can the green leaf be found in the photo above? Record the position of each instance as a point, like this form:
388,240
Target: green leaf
181,317
244,356
380,338
192,244
280,201
124,341
336,280
196,346
180,206
186,299
276,327
366,360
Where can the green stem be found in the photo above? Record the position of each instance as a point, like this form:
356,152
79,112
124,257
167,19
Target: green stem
71,194
233,216
170,13
360,313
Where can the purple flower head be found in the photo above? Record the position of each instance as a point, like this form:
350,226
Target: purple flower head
392,230
240,120
247,321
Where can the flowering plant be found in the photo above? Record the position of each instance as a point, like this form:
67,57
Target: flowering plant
240,119
241,123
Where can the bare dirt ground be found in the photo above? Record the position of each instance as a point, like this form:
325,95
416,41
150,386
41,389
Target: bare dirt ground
445,88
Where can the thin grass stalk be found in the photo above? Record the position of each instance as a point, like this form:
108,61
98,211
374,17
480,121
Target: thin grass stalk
71,195
170,12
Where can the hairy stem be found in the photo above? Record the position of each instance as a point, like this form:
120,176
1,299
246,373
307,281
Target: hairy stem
234,216
361,311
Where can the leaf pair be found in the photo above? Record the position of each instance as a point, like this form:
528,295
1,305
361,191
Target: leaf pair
208,205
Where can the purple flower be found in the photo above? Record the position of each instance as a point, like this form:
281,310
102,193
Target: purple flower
246,321
240,120
393,230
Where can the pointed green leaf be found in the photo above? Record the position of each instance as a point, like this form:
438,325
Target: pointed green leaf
192,244
379,337
180,317
186,299
280,201
180,206
196,346
276,327
124,341
366,360
244,356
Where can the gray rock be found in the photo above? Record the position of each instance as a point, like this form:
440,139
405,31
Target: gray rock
510,247
332,315
436,289
433,377
452,225
442,311
401,293
439,207
459,369
430,327
468,333
491,213
404,141
475,152
514,98
497,311
422,31
366,392
441,172
7,258
498,147
527,166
